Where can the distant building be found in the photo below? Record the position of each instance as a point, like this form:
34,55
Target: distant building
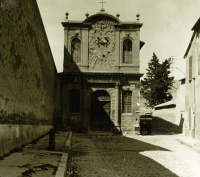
192,85
100,81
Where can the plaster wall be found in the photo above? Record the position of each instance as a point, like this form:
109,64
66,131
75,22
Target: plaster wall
26,65
164,120
180,104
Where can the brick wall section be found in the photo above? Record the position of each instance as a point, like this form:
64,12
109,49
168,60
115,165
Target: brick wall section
26,65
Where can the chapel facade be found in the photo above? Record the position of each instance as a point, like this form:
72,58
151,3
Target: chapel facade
100,80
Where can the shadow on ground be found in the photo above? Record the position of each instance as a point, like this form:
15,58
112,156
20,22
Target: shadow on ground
95,155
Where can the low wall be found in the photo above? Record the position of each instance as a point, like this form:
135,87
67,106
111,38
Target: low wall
164,120
14,136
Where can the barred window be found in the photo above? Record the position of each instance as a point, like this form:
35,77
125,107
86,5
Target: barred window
127,51
74,101
126,101
76,50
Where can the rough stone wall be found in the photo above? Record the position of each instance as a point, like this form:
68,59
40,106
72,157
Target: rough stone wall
26,65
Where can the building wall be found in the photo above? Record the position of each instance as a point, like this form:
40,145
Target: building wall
26,65
125,122
95,58
180,103
57,102
192,90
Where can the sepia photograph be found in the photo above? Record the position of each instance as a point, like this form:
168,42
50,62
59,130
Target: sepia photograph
99,88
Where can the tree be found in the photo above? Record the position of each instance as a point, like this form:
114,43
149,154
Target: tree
157,83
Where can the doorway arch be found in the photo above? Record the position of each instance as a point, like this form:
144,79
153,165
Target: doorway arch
100,111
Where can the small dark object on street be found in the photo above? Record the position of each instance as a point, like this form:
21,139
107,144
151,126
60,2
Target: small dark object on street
145,124
52,133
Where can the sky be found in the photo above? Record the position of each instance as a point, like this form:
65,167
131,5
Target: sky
166,28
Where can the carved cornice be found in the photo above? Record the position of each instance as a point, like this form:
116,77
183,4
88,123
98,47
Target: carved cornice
102,74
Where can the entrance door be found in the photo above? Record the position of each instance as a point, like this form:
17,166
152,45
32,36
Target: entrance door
100,112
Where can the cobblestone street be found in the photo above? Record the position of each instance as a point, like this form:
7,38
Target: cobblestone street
141,156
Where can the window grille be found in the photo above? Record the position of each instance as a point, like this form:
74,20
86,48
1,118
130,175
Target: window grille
126,101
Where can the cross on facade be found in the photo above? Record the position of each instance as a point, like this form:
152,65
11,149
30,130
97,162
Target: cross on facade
102,2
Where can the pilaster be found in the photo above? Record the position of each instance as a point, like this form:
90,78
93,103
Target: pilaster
116,105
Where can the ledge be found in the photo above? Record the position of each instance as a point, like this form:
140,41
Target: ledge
62,167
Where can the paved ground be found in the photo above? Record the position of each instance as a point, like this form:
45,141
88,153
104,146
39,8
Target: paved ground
34,160
139,156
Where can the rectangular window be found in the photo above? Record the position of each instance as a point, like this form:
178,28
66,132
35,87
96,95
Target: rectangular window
74,101
126,101
127,51
190,68
199,64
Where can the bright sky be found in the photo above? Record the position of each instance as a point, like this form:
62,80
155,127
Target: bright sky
166,26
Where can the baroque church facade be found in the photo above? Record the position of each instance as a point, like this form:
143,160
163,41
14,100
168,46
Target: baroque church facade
100,80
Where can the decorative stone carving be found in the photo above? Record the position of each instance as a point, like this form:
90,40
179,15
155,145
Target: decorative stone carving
102,44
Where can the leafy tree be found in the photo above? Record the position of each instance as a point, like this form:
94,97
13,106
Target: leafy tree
157,83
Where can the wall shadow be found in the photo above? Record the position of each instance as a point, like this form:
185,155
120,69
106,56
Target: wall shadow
119,153
161,126
85,82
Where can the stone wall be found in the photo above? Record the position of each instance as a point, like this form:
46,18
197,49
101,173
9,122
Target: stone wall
14,136
27,74
26,65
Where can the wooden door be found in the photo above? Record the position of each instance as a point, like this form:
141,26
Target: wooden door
100,113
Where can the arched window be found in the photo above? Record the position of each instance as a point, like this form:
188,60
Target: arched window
76,50
127,51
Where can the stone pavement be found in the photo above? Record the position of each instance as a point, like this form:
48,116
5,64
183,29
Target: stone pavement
96,155
35,160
